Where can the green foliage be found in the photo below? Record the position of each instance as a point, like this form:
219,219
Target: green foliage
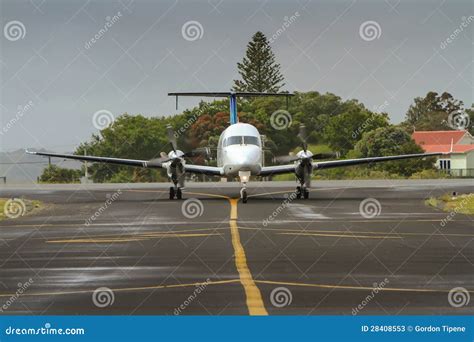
258,69
430,113
134,137
355,172
429,174
392,140
462,204
331,124
56,174
470,112
343,131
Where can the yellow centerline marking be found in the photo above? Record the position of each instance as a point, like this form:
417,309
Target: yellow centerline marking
124,289
139,237
349,235
254,298
351,287
233,208
356,232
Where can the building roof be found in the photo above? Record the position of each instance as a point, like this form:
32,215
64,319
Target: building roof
438,137
447,148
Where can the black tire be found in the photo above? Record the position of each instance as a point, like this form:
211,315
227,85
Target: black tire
298,192
306,194
244,196
172,193
179,194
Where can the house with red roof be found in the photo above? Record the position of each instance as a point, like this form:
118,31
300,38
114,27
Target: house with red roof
458,144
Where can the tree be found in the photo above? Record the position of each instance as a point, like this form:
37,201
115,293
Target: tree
431,112
392,140
258,69
470,112
56,174
343,131
134,137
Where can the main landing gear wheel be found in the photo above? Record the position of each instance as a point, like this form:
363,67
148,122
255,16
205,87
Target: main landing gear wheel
175,193
298,192
305,193
243,195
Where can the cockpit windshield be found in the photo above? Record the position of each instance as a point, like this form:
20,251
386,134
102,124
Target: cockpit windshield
241,140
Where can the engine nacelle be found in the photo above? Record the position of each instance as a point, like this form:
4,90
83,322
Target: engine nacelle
304,155
304,167
175,167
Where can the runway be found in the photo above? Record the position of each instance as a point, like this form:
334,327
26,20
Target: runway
354,247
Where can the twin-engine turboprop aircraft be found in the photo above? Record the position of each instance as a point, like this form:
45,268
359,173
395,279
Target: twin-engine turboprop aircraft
239,153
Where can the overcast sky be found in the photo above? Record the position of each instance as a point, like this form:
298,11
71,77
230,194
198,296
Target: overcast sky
50,63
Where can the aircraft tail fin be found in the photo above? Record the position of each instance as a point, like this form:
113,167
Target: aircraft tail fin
232,99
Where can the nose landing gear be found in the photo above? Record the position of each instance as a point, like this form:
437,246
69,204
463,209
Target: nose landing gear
243,195
244,178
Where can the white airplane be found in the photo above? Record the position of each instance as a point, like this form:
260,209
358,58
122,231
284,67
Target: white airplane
239,153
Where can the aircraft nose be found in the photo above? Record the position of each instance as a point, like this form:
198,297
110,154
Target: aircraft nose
247,157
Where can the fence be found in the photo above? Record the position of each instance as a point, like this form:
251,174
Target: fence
458,173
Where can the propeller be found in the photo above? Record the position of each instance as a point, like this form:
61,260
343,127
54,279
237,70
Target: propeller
177,155
172,137
302,136
305,156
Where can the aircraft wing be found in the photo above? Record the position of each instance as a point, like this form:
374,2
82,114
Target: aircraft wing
290,168
199,169
204,170
120,161
277,170
359,161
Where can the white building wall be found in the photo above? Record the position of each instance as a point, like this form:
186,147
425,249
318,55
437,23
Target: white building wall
467,139
458,161
470,160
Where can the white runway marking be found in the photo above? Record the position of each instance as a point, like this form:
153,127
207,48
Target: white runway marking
305,211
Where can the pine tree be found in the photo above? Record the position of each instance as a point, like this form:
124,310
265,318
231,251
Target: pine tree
259,71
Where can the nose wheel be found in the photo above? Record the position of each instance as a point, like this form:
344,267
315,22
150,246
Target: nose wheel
175,193
243,195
